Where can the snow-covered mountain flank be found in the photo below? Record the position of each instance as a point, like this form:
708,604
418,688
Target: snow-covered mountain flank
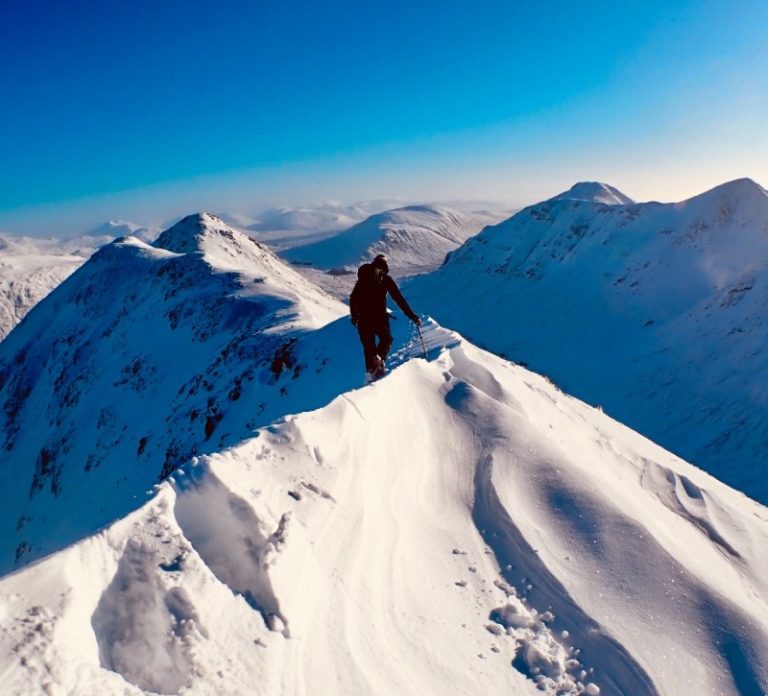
30,268
655,311
243,516
414,239
123,373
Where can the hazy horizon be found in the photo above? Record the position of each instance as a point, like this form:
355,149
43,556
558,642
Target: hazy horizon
147,112
158,209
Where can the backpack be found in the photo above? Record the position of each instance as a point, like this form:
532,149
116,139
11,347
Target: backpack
369,278
369,295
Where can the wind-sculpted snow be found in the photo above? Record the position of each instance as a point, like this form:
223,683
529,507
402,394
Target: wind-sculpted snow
144,630
458,527
656,312
231,542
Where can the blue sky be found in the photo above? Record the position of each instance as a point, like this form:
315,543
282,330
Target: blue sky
146,110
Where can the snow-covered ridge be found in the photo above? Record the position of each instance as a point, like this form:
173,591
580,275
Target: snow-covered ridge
459,527
655,311
743,198
242,513
413,238
136,362
199,232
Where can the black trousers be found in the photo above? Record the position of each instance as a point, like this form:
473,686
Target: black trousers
376,339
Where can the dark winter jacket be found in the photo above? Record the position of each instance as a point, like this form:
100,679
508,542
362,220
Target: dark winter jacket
368,301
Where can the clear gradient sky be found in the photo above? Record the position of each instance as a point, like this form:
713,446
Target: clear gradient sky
145,110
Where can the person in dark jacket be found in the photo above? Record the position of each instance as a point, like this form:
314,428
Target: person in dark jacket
368,308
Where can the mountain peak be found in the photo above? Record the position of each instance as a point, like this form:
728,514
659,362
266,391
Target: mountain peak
187,235
115,225
743,190
595,192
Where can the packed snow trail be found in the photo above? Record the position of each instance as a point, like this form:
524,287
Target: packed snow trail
458,527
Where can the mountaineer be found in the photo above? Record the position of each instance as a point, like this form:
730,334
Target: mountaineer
368,308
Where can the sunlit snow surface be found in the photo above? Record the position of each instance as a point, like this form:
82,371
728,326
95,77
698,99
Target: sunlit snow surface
414,239
657,312
459,527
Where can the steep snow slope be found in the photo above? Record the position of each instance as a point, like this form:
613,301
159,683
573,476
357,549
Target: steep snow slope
30,268
414,238
460,527
137,362
657,312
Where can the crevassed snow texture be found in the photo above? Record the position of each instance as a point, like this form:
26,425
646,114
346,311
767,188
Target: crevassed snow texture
656,312
459,527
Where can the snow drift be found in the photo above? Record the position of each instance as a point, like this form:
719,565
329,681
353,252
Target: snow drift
655,311
459,527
